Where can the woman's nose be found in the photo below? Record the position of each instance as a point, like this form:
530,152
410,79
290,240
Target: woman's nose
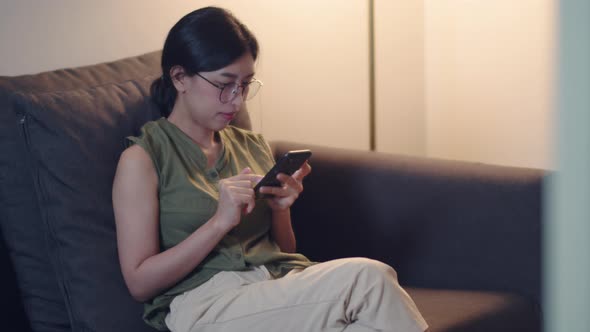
238,99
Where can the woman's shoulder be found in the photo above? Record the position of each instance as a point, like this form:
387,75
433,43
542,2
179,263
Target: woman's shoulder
147,134
136,160
147,145
135,154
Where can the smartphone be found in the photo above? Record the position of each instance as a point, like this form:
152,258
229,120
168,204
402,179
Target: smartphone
289,163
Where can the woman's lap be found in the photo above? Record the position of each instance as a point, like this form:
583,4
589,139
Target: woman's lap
324,297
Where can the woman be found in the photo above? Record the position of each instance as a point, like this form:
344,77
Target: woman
194,244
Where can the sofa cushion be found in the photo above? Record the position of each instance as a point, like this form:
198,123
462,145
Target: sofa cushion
20,218
463,311
75,138
21,223
11,305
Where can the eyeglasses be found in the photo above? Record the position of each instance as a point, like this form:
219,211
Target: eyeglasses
231,90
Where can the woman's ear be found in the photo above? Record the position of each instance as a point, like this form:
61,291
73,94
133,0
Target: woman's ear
178,75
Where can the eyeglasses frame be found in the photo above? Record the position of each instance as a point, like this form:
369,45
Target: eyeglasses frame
221,87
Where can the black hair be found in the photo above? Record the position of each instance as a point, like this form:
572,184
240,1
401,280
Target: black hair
206,39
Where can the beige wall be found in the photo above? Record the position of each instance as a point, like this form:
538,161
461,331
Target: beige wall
399,77
314,64
44,35
490,80
313,57
467,80
461,79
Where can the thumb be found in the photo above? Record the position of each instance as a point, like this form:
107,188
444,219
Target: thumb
246,170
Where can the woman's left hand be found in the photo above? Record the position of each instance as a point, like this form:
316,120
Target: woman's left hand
285,195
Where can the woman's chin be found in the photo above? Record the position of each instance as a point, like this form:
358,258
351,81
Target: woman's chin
220,125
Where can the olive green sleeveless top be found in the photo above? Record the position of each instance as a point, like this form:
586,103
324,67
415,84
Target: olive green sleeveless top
188,196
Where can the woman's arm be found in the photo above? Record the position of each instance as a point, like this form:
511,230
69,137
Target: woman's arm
284,197
146,270
282,230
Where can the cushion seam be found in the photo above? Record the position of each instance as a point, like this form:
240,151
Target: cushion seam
50,235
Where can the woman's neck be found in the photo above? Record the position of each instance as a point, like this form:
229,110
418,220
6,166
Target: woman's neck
203,137
207,140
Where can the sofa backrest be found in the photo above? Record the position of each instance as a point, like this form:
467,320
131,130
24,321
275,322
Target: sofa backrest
440,223
61,133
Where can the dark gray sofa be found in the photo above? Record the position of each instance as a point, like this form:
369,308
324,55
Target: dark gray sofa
463,237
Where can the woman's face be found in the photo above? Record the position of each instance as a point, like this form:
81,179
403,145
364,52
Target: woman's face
201,98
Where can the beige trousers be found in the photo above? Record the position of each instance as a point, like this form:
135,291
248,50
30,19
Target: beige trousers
352,294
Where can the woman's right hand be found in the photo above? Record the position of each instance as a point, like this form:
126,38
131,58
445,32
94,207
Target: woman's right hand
236,196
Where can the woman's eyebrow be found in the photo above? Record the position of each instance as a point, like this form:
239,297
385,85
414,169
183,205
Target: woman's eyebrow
234,76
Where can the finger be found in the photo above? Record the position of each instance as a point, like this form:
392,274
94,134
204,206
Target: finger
302,172
290,182
250,205
242,192
279,191
247,183
244,180
245,173
270,190
286,180
229,187
245,200
256,178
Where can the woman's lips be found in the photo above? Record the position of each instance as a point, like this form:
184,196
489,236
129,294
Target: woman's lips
228,116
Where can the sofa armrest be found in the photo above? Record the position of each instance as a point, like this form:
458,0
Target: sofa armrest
439,223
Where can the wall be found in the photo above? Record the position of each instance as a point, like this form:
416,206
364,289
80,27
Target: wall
489,69
313,58
467,80
314,67
399,77
461,79
44,35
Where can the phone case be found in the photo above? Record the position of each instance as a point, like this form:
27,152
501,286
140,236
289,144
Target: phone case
289,163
